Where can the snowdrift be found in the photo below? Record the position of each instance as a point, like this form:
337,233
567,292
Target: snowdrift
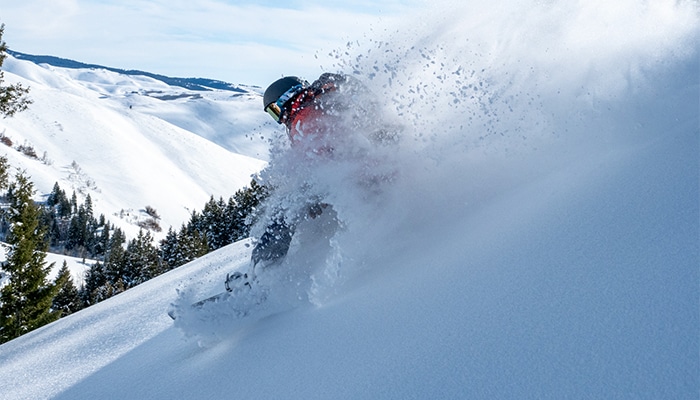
539,240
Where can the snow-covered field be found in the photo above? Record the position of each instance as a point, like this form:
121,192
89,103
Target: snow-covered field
539,239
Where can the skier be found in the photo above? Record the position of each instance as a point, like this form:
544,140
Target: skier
310,113
318,118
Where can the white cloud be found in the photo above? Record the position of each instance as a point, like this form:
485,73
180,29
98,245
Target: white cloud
234,41
40,19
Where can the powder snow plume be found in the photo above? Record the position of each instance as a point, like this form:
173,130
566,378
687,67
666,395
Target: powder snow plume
482,100
493,97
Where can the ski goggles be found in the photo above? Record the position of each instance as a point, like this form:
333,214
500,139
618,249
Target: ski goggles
276,109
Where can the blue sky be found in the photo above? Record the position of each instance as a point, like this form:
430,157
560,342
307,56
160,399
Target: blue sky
236,41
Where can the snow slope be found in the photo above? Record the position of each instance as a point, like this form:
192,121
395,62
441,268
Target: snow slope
121,139
539,240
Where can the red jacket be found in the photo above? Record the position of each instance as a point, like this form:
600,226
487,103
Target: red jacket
310,113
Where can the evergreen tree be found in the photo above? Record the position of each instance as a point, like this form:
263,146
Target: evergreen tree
67,300
195,223
75,233
91,228
52,198
27,298
169,248
55,235
243,207
74,203
79,232
81,229
93,290
115,267
141,261
4,172
4,181
88,207
13,98
103,238
213,224
192,245
59,200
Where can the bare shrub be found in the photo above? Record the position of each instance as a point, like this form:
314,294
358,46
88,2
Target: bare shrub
150,224
6,140
152,212
28,150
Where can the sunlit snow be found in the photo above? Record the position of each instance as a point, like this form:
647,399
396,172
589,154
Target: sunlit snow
538,239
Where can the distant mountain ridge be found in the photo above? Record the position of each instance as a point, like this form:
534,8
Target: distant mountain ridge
203,84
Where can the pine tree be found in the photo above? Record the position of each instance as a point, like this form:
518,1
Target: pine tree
102,241
74,203
61,201
242,209
13,98
88,207
93,289
79,231
4,172
67,300
28,296
141,260
4,181
169,249
213,224
52,198
114,268
91,228
192,245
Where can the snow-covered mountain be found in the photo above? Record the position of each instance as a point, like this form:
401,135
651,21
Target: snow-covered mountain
538,237
132,141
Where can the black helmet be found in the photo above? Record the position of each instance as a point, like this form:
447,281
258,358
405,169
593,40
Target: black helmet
287,87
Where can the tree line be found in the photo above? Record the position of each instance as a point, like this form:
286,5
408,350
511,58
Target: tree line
122,267
63,225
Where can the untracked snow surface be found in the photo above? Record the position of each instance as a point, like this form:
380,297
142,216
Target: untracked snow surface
535,233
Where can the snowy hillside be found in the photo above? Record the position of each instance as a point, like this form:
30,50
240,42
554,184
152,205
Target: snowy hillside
538,237
132,141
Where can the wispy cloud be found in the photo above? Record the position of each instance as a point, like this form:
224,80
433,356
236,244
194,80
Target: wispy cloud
238,41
